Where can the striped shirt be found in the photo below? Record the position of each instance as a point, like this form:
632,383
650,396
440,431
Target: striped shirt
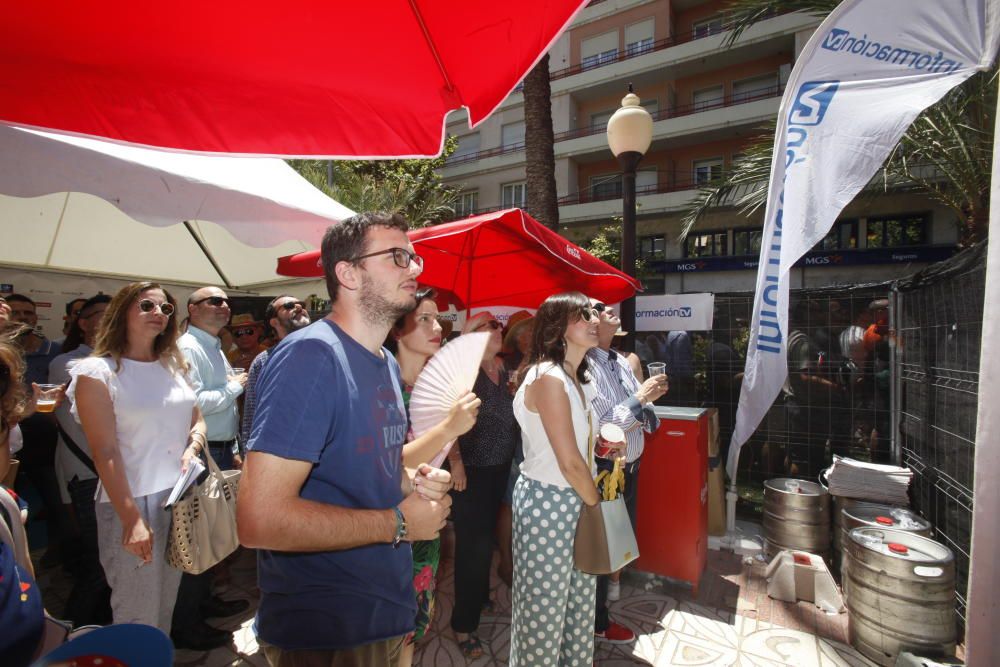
616,401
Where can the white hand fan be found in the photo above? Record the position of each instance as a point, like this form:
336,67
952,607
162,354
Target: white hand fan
448,374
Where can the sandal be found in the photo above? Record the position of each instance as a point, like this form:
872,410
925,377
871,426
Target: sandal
471,648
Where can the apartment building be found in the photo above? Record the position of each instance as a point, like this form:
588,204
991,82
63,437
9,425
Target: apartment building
707,102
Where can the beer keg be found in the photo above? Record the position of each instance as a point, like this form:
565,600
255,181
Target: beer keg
850,514
902,594
796,517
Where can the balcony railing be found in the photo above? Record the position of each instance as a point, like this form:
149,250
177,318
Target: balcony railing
666,43
683,110
676,182
676,112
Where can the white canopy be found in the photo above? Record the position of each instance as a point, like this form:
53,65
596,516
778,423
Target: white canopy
59,216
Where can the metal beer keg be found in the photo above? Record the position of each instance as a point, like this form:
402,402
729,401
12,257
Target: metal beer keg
796,516
850,514
902,594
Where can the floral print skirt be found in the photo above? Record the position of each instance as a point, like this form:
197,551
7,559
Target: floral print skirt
426,556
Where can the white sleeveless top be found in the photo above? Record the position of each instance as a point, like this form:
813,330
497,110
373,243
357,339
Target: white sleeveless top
153,408
540,463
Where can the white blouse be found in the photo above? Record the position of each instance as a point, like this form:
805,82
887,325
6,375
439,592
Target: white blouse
540,463
153,407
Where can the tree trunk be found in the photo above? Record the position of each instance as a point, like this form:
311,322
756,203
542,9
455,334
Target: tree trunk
540,167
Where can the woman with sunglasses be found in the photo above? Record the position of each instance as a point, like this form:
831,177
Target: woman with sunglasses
139,415
414,339
553,602
480,467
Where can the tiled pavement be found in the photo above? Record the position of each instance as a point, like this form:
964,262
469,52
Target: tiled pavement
732,622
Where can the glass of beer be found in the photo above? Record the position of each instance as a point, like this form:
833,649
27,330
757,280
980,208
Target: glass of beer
49,396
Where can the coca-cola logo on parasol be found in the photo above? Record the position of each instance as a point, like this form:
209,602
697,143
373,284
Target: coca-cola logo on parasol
573,251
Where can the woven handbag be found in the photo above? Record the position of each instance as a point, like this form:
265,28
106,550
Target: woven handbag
203,526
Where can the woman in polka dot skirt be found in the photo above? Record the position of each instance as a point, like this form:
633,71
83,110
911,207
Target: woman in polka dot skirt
553,602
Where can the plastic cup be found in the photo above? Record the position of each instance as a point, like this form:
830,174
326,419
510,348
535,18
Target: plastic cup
239,371
656,368
48,398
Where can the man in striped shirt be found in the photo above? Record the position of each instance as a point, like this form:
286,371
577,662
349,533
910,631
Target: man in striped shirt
624,401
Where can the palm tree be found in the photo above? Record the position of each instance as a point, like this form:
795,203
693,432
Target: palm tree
540,161
946,154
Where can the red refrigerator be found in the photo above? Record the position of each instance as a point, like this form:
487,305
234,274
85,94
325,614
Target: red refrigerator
672,521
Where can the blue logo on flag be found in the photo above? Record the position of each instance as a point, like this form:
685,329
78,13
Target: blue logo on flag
812,102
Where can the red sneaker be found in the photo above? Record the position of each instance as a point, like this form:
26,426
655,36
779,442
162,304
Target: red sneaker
616,634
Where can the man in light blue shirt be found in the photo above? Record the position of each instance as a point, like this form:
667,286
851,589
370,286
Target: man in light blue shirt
217,390
210,373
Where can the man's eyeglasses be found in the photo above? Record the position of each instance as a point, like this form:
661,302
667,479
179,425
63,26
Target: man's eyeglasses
212,301
401,256
239,333
290,305
148,306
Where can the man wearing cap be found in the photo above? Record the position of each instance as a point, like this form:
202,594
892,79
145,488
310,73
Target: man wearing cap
284,315
246,332
621,400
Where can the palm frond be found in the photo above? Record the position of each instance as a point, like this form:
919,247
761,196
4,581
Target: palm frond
742,14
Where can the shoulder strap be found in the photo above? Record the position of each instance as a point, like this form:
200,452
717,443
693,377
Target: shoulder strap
75,448
12,530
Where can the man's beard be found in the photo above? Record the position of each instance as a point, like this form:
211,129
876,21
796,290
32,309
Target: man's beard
376,310
295,324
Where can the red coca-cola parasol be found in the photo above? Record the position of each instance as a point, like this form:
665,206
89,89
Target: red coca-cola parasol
504,258
293,78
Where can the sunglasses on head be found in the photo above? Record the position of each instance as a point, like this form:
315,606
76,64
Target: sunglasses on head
212,301
290,305
239,333
148,306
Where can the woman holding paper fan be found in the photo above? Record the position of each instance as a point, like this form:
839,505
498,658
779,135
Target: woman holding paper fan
139,415
553,602
414,339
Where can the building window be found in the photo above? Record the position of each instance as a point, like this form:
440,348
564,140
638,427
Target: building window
467,145
646,181
747,241
512,135
709,26
608,186
467,203
706,244
600,119
707,98
898,230
653,248
755,88
639,37
598,59
512,195
706,171
842,236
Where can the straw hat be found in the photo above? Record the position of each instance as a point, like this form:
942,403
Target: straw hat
244,320
515,325
477,320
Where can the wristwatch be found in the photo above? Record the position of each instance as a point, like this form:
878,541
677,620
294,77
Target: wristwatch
400,527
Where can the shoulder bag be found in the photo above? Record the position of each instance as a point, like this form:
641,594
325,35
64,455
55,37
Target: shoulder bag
203,525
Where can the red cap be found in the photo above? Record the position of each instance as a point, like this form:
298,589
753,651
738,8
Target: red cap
884,520
898,548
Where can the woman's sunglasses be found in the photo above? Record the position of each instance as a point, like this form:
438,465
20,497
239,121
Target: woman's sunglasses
591,311
239,333
148,306
492,324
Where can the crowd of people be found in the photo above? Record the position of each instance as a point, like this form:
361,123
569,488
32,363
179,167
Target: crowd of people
338,496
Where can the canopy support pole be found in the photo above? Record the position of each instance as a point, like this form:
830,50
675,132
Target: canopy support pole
208,253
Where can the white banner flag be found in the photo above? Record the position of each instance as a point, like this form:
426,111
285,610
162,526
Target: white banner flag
863,77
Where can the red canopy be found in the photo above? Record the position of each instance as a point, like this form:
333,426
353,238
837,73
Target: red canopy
299,77
499,259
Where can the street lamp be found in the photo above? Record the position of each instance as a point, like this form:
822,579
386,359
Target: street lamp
630,131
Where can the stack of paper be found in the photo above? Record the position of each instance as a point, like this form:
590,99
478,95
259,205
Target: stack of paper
874,482
185,481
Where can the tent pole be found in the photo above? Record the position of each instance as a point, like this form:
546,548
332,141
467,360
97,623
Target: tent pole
208,254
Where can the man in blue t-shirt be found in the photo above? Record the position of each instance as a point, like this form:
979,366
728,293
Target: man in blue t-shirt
324,495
